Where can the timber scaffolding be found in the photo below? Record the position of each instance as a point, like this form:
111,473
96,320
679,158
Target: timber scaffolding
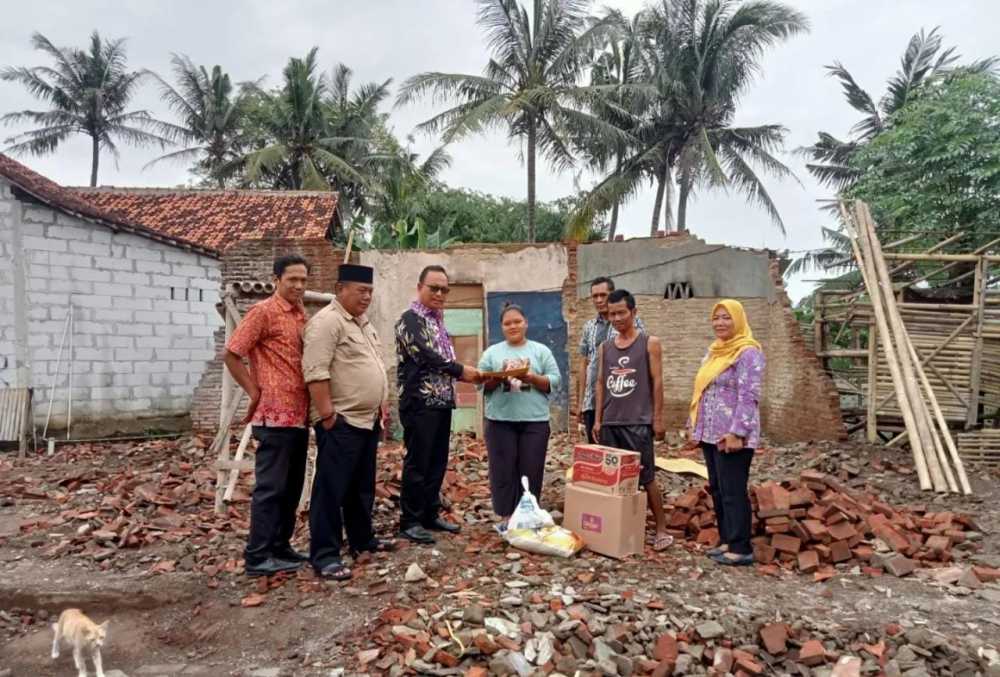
949,302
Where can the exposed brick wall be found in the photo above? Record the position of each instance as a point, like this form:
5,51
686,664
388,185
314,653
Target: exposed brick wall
799,401
252,260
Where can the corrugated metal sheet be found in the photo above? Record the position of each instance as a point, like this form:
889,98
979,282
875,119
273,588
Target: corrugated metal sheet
13,413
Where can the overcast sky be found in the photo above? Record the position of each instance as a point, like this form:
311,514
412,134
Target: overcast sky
382,39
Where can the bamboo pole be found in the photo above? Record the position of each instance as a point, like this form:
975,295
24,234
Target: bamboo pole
920,413
867,268
976,367
872,423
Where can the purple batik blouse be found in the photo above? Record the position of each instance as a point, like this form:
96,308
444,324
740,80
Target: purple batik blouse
731,403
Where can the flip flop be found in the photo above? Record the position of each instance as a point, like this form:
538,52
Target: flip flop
718,550
741,561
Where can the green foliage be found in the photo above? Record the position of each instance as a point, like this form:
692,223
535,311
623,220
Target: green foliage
937,166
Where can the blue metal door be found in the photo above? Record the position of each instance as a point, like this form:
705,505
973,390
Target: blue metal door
543,310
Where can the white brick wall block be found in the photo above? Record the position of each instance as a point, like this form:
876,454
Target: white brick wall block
152,292
48,299
131,304
89,274
151,367
116,341
157,267
112,289
113,263
120,367
43,244
110,393
169,281
188,318
130,278
136,329
110,316
131,380
90,249
70,260
150,391
169,378
206,284
153,341
134,405
39,215
169,354
183,270
143,254
175,330
63,232
92,301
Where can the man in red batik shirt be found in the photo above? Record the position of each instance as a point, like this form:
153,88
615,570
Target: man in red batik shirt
270,336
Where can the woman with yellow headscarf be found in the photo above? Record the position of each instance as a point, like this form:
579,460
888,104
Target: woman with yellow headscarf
725,421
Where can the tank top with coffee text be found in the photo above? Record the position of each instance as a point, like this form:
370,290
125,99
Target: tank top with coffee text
627,384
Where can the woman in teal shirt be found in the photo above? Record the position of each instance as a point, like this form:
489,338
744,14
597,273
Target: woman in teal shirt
517,411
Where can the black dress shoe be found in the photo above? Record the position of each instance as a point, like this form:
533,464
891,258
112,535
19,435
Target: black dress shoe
438,524
290,554
417,534
272,566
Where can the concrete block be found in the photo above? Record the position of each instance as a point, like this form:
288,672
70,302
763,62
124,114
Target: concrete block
101,234
44,298
38,284
89,274
205,331
89,327
204,308
187,318
92,301
209,285
136,329
91,249
151,367
116,341
151,292
157,267
132,303
178,391
143,254
37,257
193,344
112,289
39,215
170,354
174,306
95,354
71,286
38,313
93,380
188,271
174,330
131,380
133,404
68,232
187,366
149,391
169,378
130,278
37,341
169,281
152,341
174,255
105,262
44,244
110,393
104,315
120,367
133,354
70,260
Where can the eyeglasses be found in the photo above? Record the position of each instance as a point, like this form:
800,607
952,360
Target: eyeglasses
444,291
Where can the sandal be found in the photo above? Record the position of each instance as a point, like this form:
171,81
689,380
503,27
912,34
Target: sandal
377,545
335,571
662,542
718,550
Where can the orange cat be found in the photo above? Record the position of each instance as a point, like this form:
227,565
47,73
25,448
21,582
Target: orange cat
78,631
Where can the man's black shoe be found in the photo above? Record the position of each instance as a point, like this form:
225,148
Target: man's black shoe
290,554
417,534
272,566
438,524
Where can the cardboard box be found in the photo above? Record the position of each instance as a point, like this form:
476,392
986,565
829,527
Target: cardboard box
606,469
610,525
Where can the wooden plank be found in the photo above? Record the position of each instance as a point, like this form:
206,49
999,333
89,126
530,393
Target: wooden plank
465,296
976,370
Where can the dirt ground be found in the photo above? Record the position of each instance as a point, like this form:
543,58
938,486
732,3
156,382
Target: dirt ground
126,532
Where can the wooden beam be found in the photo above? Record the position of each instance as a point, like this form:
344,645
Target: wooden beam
976,368
872,422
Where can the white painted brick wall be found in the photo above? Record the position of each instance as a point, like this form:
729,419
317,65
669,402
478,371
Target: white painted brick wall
137,352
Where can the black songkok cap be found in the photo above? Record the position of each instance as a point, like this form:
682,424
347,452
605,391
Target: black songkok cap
350,272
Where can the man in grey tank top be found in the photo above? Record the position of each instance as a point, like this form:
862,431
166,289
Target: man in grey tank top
629,394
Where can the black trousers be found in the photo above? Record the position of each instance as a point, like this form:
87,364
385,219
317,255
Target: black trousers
426,434
588,422
728,477
343,492
516,449
279,471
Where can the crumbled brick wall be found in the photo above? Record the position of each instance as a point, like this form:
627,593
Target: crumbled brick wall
799,401
252,260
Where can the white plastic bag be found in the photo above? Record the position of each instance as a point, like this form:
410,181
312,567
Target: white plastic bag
532,529
528,514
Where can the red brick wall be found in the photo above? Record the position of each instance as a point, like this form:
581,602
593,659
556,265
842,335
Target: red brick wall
253,260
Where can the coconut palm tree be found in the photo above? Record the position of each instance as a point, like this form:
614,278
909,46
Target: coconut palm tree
211,112
923,60
530,86
89,93
316,135
701,56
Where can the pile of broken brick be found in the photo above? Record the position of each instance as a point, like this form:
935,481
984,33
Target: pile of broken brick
814,523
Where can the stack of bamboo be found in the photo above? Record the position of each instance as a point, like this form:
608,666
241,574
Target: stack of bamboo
934,451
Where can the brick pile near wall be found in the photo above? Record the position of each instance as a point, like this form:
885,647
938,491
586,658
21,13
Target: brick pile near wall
252,260
799,402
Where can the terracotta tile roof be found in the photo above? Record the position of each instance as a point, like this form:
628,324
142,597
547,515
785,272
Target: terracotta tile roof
70,202
220,218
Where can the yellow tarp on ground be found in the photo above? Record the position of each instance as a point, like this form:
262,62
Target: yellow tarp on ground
674,465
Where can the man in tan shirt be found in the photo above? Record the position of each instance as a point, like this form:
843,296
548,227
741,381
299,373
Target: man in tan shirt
343,368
